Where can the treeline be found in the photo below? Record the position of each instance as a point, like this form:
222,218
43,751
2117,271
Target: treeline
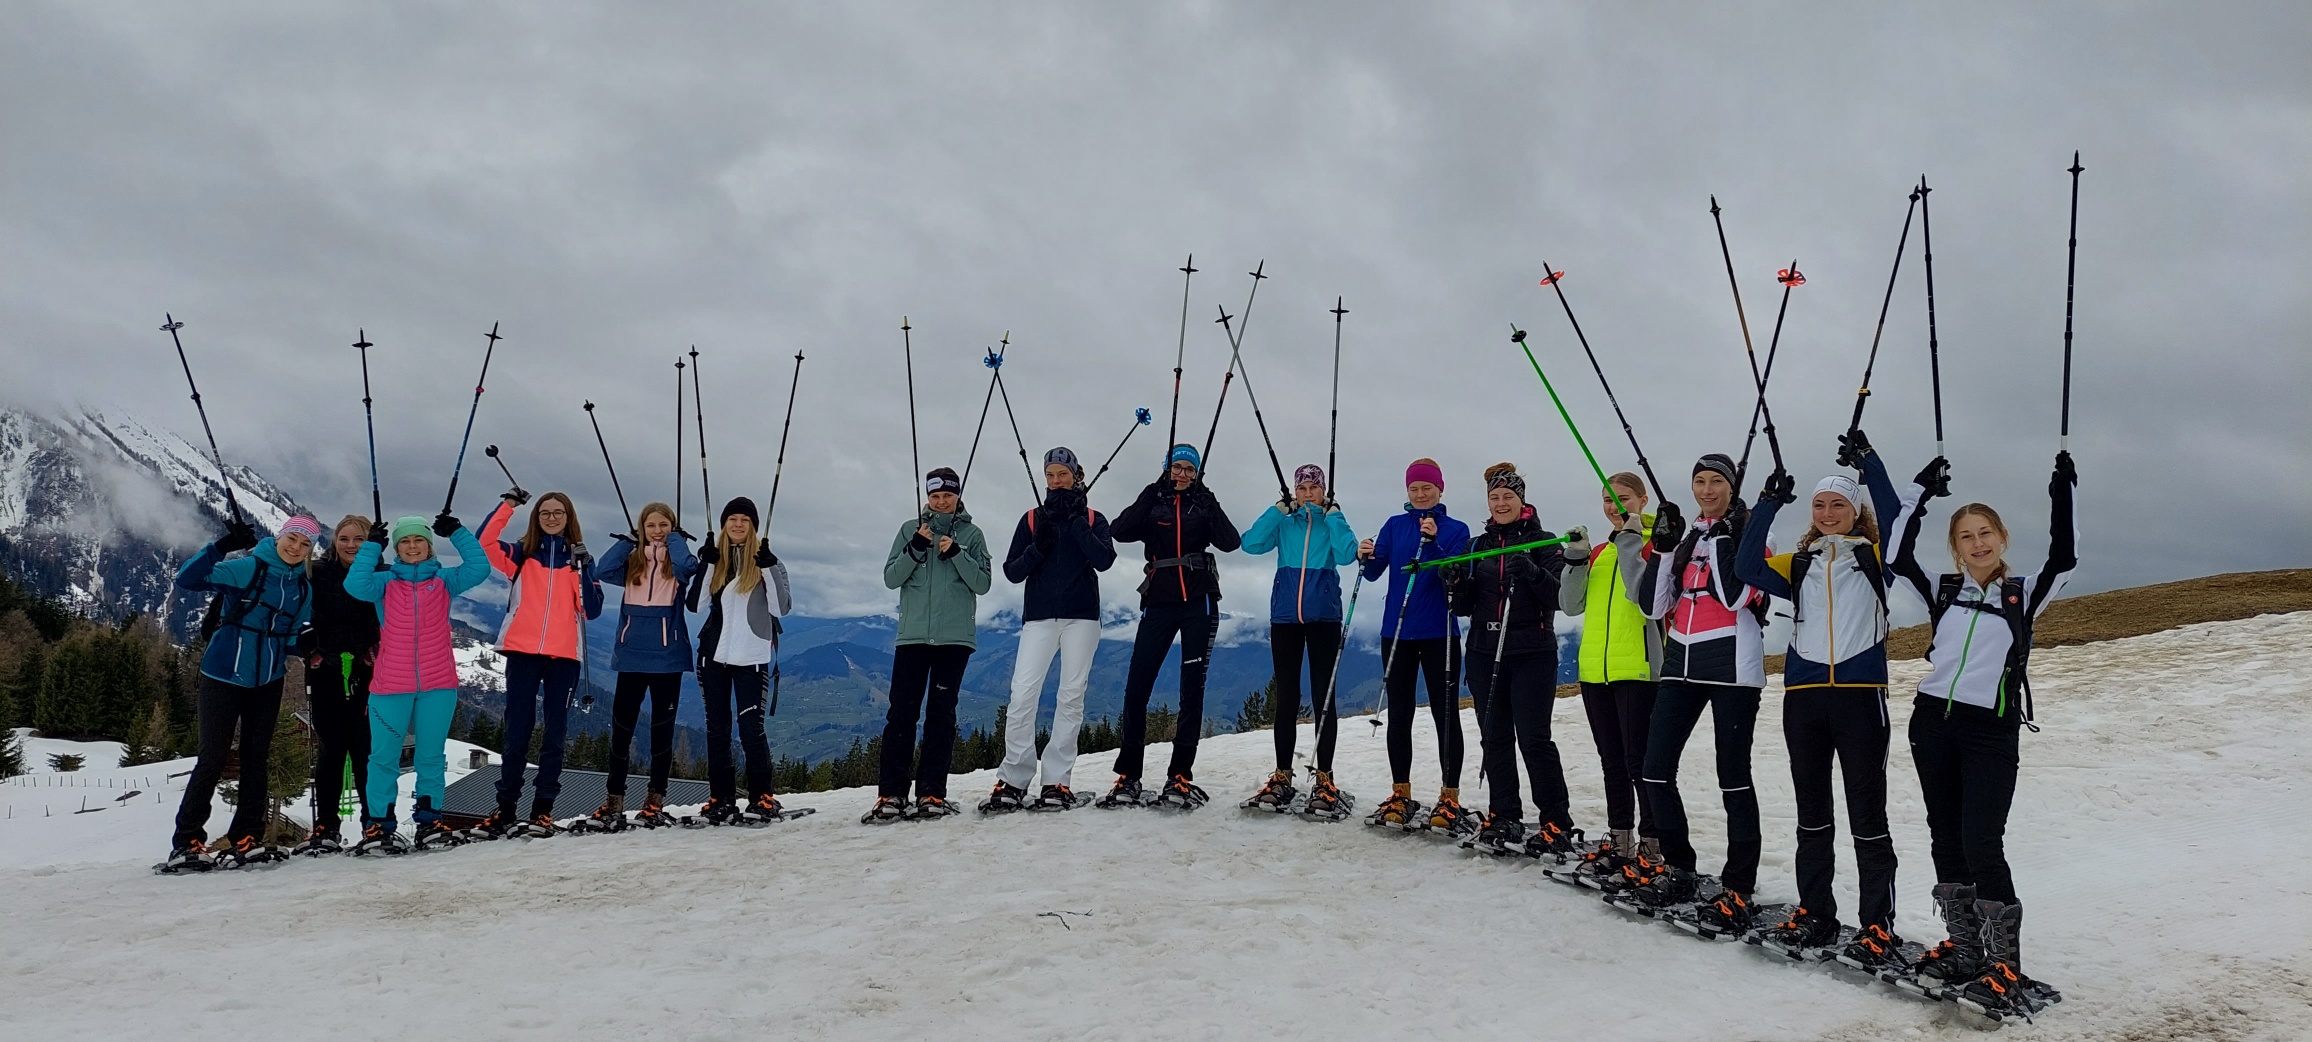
74,678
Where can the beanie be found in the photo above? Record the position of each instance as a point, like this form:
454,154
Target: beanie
742,507
1065,458
1307,473
404,527
1716,461
1425,470
1843,486
301,524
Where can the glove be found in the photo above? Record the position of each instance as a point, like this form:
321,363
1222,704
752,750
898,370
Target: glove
2066,473
954,547
444,524
378,533
1737,518
1523,569
1669,527
1852,447
1201,495
578,554
1936,478
1780,488
764,558
708,555
516,496
238,537
1577,547
1061,502
916,544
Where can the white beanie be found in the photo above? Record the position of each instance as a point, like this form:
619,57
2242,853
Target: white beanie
1843,486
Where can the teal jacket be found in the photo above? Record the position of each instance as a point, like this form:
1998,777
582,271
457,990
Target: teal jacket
939,596
260,616
1312,545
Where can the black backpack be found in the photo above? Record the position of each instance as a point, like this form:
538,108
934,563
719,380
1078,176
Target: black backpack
2011,608
1871,567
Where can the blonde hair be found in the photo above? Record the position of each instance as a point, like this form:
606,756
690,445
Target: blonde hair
1632,483
1987,514
737,563
1865,525
638,562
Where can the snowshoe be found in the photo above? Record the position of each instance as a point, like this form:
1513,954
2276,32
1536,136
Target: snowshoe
189,856
1276,796
1553,843
1399,812
887,809
381,838
540,826
323,840
1180,794
1804,936
2003,991
246,852
1665,891
1590,865
1126,793
1059,798
767,810
500,822
653,814
1326,801
1729,916
932,808
1939,972
1449,818
609,817
1633,873
1501,835
715,811
1874,950
433,834
1003,799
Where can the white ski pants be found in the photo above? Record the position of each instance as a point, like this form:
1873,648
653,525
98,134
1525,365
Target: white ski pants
1074,640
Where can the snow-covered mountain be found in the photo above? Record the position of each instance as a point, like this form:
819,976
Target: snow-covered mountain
98,509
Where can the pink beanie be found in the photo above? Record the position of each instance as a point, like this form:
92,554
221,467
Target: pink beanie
1423,470
302,525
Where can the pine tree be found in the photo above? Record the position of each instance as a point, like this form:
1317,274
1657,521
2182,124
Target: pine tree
151,741
1163,724
288,772
488,732
11,754
1259,709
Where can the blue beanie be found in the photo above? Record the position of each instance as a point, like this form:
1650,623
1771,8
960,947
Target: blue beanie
1186,454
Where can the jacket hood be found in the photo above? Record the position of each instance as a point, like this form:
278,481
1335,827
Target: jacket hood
415,573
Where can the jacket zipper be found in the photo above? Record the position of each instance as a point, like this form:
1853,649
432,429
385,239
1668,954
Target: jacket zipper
1957,674
1300,596
1830,612
1179,548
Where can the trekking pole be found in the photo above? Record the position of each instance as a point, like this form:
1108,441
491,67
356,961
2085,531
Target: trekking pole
678,482
492,452
994,363
1333,441
1340,652
1140,418
1235,336
2070,280
914,444
231,501
781,469
590,418
1517,336
698,409
1862,395
1397,638
369,417
1035,488
1179,354
1552,282
1493,680
1934,348
1439,562
451,499
1790,278
1750,350
1236,359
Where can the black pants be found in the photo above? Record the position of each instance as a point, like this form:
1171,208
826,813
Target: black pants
1432,659
1817,724
1619,715
1321,642
1678,707
223,709
925,680
1967,763
665,692
725,688
340,700
538,691
1518,705
1195,623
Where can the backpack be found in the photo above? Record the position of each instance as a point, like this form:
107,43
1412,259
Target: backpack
2011,608
1684,556
244,598
1872,569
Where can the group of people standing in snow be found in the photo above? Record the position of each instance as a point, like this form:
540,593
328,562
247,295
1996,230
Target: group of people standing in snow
1674,611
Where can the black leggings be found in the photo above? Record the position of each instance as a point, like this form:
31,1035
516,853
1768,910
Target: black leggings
1678,707
1195,623
340,700
1287,642
1817,724
925,680
1967,762
729,691
1433,659
1619,714
1517,712
665,693
225,708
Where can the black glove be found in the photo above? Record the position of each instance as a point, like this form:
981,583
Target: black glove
578,554
1669,527
708,555
516,496
1780,488
1936,478
916,544
1852,447
238,537
1155,490
378,533
954,547
1202,496
764,558
1737,518
1523,569
2066,473
445,523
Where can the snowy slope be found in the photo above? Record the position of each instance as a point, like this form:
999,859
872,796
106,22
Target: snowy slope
2157,840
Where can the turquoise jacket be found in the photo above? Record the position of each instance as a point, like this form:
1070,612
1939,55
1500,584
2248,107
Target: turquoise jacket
259,617
1312,545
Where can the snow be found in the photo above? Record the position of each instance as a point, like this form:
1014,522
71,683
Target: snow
2157,839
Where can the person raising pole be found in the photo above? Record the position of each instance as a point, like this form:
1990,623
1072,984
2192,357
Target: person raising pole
1422,646
939,564
1180,523
1058,550
544,641
1618,657
1312,542
340,659
652,654
736,646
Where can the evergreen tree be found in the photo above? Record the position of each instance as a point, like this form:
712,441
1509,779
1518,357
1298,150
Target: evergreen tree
11,754
1163,724
488,732
1259,709
288,773
151,741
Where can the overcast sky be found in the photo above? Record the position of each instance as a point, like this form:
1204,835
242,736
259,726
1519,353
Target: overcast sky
612,184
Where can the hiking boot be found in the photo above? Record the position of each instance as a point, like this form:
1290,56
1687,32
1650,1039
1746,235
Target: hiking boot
1959,959
766,807
1398,810
1055,797
500,822
886,810
1449,816
931,808
653,813
191,855
1803,931
1501,832
1324,796
2003,991
1180,792
1667,888
1731,915
1633,874
432,834
1873,949
718,811
322,840
1005,797
1277,793
380,837
541,824
1125,793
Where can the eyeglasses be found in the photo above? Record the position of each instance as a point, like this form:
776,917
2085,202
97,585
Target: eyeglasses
553,513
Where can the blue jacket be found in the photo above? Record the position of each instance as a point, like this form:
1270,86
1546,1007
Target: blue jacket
1312,545
1426,615
652,638
1059,556
259,619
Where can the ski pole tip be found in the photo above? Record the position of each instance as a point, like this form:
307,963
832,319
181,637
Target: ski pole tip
2075,167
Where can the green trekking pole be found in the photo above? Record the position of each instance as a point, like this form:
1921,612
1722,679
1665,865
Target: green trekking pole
1422,566
1517,336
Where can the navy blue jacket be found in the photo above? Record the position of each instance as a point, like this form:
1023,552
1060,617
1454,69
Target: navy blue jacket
1059,554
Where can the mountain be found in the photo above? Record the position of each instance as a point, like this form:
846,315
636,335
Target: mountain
98,510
